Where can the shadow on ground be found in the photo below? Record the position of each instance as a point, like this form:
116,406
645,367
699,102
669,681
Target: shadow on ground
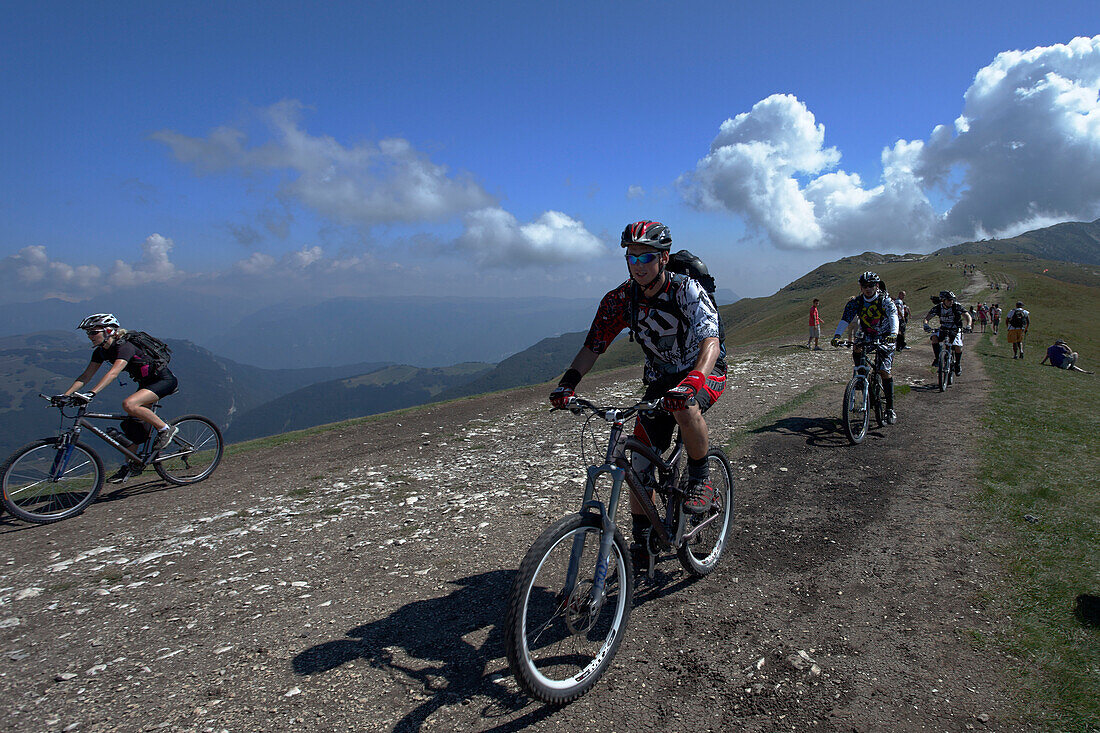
822,432
428,642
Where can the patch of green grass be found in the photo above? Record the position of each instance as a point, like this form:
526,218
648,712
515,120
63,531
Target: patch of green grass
304,491
1041,459
331,511
765,421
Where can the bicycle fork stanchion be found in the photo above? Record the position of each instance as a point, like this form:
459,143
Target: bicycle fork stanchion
61,462
607,536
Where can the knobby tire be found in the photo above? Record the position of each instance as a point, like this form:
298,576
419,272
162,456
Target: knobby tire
855,427
556,648
700,556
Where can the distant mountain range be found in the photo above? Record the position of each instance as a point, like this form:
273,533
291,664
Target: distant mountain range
250,401
1071,241
421,331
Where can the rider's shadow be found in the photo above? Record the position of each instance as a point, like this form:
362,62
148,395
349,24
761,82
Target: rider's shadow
818,431
433,643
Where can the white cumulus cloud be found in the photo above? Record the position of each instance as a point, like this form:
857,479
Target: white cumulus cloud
154,265
1025,150
497,238
366,184
31,273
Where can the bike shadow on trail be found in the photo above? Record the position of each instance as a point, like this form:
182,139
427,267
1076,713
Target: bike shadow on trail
822,432
434,643
146,485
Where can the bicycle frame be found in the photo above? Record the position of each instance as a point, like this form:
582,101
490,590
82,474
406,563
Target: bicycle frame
617,465
81,422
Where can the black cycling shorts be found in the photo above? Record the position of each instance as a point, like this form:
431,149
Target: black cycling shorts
161,385
657,429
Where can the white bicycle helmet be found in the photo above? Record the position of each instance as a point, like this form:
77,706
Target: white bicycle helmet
99,320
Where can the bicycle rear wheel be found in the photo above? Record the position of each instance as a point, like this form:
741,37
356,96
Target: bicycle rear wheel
193,454
558,642
701,553
30,494
856,415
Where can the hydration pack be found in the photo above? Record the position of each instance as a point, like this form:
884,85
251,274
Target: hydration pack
158,352
1016,320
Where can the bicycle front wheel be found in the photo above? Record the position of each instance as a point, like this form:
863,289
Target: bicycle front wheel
945,369
700,554
559,641
42,484
877,399
856,416
193,454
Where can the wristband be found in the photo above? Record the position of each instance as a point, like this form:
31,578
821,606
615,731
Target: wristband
570,379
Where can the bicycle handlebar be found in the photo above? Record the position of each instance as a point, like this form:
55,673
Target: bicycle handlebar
576,405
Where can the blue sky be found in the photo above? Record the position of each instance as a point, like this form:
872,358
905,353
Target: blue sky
499,148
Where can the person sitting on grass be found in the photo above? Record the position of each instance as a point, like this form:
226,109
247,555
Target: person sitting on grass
1062,356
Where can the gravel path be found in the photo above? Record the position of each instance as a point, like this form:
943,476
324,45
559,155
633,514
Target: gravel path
356,580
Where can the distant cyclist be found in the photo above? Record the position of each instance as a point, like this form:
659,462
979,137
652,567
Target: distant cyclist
903,319
953,319
107,336
675,321
877,315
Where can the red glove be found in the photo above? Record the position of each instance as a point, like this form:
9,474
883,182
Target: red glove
678,397
560,397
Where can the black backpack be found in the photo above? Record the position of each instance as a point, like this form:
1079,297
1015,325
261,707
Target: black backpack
689,265
1016,320
158,352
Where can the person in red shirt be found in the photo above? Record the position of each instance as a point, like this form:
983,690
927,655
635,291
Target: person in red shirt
815,326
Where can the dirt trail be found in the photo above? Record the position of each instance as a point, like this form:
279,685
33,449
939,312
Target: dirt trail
356,580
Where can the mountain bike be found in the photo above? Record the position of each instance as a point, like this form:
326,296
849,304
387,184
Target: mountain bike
571,597
56,478
945,363
864,393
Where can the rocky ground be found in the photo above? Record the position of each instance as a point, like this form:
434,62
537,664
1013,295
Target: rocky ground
357,580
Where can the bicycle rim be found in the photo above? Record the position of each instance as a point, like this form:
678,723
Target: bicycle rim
193,454
700,554
855,413
558,645
880,405
31,494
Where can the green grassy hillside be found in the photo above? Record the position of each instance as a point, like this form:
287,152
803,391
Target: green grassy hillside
1038,489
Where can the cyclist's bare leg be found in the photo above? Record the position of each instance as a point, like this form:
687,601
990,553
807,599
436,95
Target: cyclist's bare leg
693,428
137,405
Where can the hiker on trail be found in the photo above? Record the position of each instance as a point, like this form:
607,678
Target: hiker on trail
903,319
995,316
877,315
1018,321
815,326
675,321
983,315
1062,356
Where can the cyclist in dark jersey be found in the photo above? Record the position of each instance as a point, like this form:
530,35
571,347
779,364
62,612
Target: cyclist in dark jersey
676,323
106,335
877,315
953,319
